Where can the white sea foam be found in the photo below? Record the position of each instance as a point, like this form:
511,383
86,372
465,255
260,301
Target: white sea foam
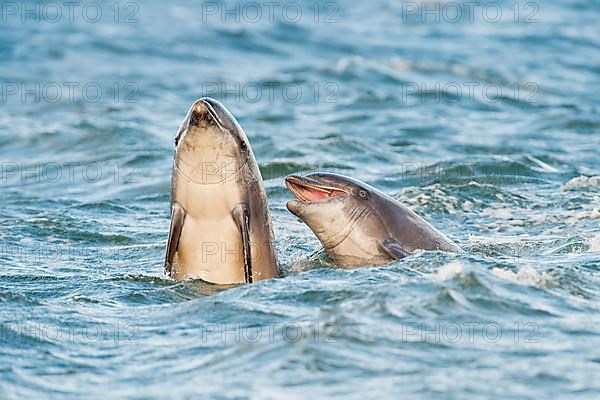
544,167
595,243
524,276
582,182
498,212
588,214
449,271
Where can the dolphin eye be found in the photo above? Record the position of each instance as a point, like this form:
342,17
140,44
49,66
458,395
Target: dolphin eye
243,145
363,194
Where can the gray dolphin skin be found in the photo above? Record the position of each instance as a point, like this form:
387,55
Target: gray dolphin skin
220,225
359,225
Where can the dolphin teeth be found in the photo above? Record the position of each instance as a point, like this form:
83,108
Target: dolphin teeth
306,191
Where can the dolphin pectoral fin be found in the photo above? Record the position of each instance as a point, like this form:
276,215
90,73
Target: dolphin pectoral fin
392,249
241,215
177,220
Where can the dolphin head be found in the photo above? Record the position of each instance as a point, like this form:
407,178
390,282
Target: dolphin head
335,207
357,224
211,146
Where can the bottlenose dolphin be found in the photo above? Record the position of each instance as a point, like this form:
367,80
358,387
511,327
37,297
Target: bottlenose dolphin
220,225
359,225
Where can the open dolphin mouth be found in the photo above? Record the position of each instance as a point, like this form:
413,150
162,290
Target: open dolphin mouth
307,190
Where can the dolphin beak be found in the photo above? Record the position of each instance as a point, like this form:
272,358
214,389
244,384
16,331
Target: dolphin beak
203,113
309,190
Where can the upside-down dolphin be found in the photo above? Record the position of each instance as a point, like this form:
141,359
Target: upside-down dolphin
359,225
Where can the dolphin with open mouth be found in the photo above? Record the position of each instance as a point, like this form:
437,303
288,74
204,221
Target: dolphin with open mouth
359,225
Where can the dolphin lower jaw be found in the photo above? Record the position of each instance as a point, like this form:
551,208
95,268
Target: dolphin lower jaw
293,206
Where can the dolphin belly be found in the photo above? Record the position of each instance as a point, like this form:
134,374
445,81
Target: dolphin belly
210,249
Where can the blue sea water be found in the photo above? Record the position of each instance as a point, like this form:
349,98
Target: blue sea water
483,117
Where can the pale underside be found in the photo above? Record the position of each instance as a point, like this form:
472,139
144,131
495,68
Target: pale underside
210,245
